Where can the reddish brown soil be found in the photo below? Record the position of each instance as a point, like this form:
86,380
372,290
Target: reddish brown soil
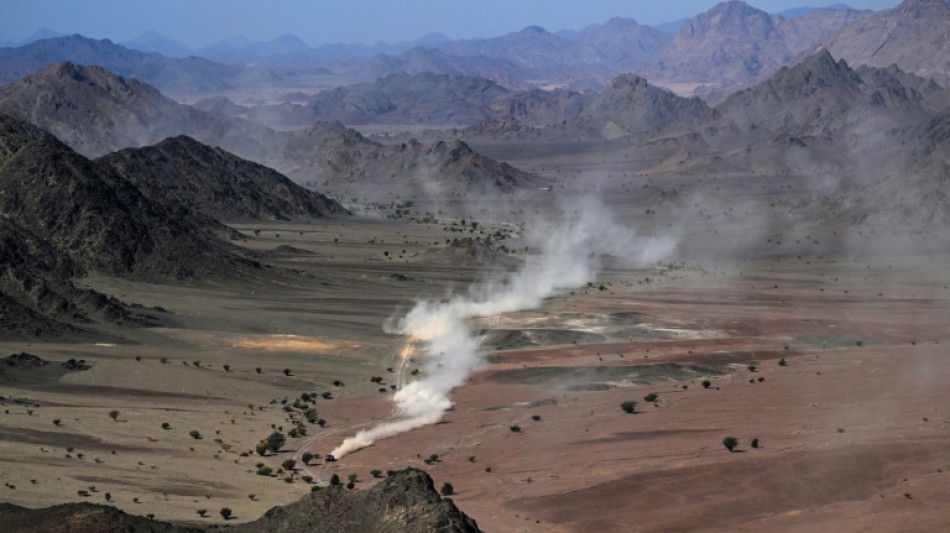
851,437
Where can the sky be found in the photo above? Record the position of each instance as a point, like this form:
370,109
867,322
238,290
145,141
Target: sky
198,23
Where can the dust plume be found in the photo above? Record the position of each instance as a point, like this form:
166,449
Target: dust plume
569,251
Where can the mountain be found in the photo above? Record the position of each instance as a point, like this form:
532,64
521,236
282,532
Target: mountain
289,50
424,98
39,35
866,138
37,298
96,218
177,76
100,112
912,35
584,59
342,162
97,112
182,172
796,12
156,43
822,97
286,49
629,107
623,44
421,60
734,42
632,106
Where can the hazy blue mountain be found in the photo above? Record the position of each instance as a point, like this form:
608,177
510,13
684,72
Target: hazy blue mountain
796,12
154,42
39,35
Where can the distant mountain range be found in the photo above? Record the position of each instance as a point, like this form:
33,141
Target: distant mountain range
725,47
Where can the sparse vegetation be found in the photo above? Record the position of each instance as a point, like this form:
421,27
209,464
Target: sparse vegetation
447,489
652,397
629,407
114,415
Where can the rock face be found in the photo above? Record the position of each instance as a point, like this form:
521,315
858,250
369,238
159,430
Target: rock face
734,42
97,218
405,502
913,36
184,174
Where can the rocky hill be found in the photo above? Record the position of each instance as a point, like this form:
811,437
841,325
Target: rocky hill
866,137
912,36
37,298
344,163
97,112
97,218
631,106
184,174
424,98
405,502
822,97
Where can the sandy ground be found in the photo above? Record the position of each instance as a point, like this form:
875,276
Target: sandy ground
853,428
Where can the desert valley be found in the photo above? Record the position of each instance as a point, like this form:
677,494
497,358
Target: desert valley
624,278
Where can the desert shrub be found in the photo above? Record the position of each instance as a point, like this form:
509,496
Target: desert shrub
730,443
650,397
629,407
447,489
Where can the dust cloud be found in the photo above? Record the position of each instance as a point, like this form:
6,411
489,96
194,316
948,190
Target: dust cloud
570,246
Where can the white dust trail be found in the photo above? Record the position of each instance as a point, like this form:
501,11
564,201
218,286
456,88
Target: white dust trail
570,251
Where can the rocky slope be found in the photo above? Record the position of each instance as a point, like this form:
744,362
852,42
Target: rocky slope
405,502
424,98
97,218
342,162
912,35
734,42
182,173
97,112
